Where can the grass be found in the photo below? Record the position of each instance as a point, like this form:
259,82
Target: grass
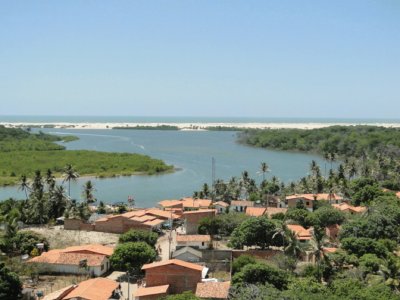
87,163
22,153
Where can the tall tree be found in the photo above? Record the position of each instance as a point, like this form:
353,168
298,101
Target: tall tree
70,174
88,190
264,169
24,185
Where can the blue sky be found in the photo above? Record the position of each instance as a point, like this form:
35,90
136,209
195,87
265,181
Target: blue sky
201,58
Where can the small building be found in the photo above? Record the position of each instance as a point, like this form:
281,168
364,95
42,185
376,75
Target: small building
88,259
181,276
165,204
197,241
192,219
213,290
190,203
221,207
240,205
302,234
151,293
188,254
256,211
309,199
347,208
332,232
92,289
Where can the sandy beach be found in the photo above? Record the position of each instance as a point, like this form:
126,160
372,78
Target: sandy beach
187,126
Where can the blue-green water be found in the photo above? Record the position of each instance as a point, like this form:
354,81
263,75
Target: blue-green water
191,151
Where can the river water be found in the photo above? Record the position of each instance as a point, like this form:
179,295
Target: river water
189,151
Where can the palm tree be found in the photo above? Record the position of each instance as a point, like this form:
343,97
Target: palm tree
70,174
58,201
264,169
391,273
88,190
293,247
50,180
24,185
317,247
37,184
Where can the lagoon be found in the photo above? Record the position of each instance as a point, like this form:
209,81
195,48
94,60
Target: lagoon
191,152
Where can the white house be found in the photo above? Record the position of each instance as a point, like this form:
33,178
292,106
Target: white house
89,259
240,205
194,241
221,206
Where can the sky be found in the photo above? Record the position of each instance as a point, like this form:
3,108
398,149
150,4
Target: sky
336,59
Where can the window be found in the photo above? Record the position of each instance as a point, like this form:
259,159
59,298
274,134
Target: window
102,267
202,243
307,203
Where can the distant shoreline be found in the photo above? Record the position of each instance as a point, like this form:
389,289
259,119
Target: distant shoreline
188,126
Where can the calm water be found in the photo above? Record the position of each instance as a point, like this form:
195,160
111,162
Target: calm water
191,151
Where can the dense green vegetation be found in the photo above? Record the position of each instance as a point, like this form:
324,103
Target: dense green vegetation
354,141
22,153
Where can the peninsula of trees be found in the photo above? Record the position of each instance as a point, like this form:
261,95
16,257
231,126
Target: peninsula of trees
22,153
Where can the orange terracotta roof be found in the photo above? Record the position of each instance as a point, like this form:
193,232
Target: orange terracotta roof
302,233
214,290
242,203
149,291
196,203
345,206
60,294
143,218
201,211
329,250
312,197
154,222
60,258
95,248
94,289
193,238
275,210
221,203
169,203
161,213
173,262
255,211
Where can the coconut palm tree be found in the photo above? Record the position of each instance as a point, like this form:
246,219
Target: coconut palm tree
24,185
264,168
88,190
391,272
58,201
317,247
293,247
70,174
50,180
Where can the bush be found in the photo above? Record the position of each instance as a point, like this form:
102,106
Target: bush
23,243
132,256
370,263
139,236
10,285
241,262
361,246
261,274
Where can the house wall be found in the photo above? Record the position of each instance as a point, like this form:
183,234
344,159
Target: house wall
179,278
72,269
307,203
192,221
195,245
74,224
189,257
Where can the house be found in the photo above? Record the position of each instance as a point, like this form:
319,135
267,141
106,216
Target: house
256,211
195,204
142,219
332,232
275,210
151,293
87,259
179,275
240,205
92,289
192,219
302,234
194,241
344,207
221,207
273,201
188,254
213,290
165,204
309,199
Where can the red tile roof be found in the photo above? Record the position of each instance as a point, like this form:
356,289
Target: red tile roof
312,197
201,211
193,238
221,203
214,290
149,291
94,289
95,248
173,262
348,207
302,233
255,211
169,203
